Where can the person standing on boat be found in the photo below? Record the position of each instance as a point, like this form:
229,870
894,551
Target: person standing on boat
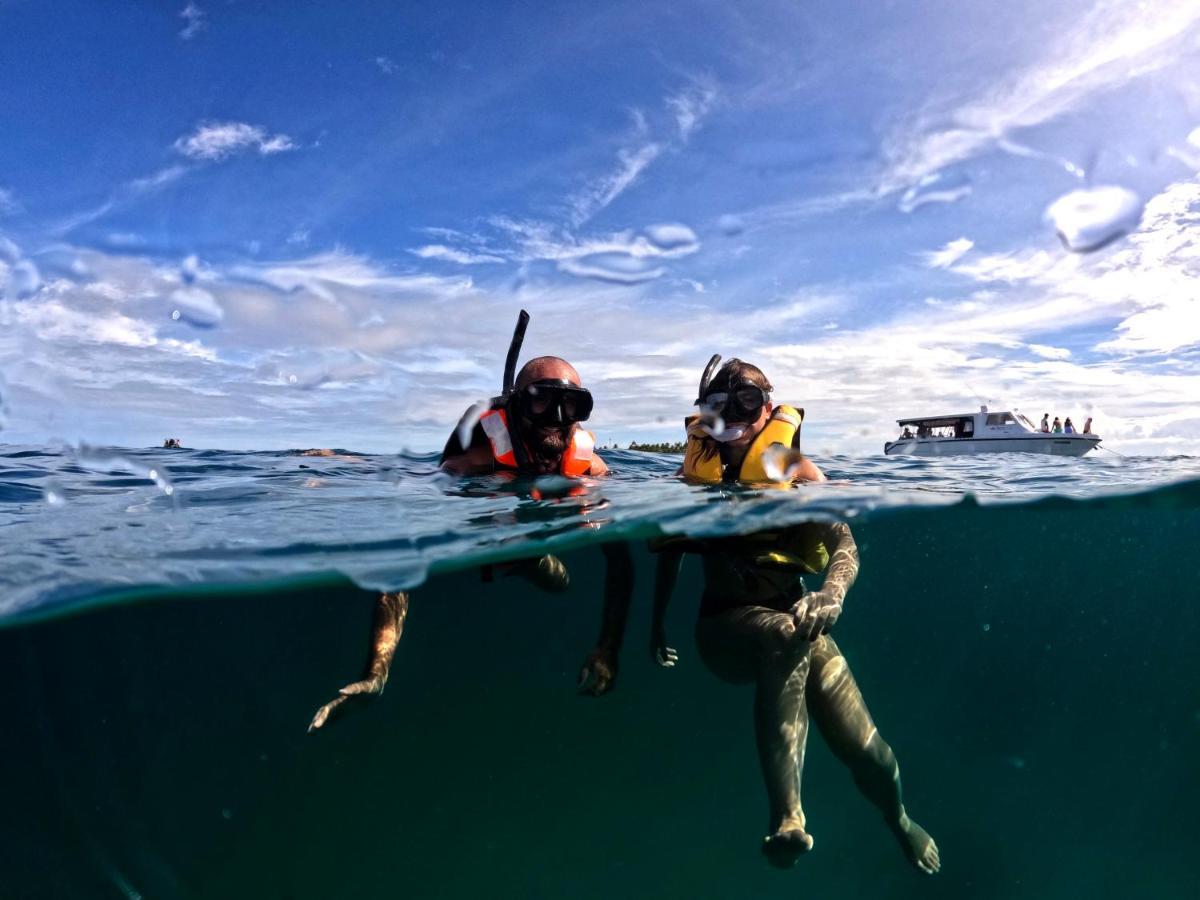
759,625
533,428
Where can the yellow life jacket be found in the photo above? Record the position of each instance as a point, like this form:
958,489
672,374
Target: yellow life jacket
781,428
800,550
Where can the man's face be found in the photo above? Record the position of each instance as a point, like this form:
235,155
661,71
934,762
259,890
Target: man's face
547,441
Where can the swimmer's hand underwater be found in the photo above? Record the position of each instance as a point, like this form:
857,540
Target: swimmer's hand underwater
659,651
665,656
815,614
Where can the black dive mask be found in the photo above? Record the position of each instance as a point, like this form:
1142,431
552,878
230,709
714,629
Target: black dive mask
554,402
741,405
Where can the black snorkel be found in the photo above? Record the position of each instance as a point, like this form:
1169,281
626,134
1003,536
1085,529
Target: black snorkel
505,400
514,350
707,377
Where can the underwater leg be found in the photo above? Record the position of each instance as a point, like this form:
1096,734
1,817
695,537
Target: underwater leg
842,717
752,643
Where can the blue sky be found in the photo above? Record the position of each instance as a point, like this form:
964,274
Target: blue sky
311,224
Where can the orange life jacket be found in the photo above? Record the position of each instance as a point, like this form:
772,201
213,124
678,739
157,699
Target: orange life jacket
576,461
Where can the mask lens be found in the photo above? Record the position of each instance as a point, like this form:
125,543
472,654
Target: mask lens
537,401
749,399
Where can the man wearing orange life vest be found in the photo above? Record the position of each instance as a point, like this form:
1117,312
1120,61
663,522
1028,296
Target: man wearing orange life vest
535,432
532,428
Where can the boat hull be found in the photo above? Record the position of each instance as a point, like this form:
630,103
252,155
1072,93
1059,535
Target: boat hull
1050,444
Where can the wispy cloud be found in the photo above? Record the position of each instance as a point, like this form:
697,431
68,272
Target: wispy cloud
450,254
387,65
690,107
8,203
194,16
1111,45
686,110
949,254
632,161
218,140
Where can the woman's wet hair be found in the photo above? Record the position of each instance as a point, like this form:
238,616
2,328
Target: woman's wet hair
736,371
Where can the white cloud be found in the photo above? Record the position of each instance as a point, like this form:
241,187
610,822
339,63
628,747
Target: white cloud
8,203
193,15
450,254
217,140
1047,352
387,65
949,254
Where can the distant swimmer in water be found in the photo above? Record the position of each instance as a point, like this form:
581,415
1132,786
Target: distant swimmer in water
758,624
533,428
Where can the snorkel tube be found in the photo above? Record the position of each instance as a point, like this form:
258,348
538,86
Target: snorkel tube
506,394
514,350
707,377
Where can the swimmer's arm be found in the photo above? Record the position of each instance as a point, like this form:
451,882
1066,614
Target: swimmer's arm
390,612
666,573
842,571
816,613
475,461
600,669
598,466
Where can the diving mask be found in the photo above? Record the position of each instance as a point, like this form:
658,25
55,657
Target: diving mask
554,402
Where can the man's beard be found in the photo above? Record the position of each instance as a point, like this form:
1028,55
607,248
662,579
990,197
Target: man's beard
546,448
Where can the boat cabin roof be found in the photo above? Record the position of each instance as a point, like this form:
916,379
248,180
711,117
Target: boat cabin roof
937,421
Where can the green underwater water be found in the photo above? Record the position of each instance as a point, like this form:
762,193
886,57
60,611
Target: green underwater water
1033,666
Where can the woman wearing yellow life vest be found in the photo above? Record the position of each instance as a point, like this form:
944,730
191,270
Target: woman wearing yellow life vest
759,625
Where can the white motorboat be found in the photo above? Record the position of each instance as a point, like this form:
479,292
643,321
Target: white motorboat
984,432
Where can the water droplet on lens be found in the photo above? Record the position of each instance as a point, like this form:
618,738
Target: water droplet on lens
551,487
24,279
730,225
782,463
466,425
53,492
1087,220
190,269
987,627
196,306
96,459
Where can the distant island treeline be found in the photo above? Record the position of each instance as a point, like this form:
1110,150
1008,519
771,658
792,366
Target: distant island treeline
675,447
